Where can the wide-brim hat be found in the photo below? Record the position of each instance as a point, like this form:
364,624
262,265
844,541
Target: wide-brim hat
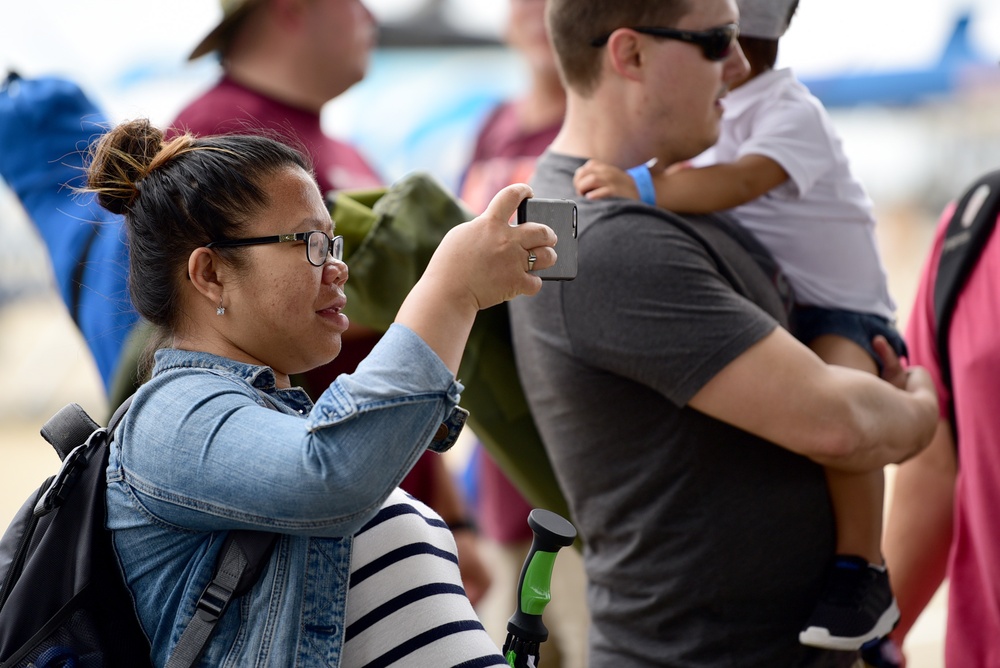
233,12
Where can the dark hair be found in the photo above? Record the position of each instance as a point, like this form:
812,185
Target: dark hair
179,195
574,24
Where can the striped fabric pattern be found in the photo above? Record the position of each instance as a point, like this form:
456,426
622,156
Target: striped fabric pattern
406,605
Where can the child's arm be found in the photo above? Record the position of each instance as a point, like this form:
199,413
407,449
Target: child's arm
694,190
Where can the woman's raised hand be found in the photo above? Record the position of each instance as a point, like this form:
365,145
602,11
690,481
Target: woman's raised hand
488,258
478,264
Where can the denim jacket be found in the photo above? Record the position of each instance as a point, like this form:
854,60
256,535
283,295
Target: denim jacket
199,453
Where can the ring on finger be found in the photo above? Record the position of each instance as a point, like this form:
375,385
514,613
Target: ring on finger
531,260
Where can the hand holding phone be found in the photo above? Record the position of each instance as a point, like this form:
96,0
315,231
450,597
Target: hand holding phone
560,215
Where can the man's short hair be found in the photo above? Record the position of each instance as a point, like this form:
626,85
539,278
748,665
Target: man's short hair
575,24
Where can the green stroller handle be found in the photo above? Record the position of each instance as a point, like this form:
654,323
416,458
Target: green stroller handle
525,630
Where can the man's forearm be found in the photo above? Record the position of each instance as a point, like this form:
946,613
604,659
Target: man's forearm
896,424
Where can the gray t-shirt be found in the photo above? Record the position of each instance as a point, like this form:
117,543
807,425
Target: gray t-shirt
704,545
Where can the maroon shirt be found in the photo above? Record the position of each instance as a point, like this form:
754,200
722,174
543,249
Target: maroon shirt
229,107
504,154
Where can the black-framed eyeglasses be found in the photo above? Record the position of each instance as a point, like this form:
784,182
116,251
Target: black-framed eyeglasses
716,43
319,246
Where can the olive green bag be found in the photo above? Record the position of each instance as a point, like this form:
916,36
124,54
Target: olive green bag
389,236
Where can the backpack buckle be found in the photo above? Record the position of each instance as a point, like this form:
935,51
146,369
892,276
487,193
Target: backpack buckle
74,464
213,602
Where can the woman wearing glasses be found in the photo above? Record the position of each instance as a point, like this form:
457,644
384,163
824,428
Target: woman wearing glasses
233,259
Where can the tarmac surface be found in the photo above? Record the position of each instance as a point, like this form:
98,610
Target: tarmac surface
47,366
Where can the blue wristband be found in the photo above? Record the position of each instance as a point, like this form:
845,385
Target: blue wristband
644,184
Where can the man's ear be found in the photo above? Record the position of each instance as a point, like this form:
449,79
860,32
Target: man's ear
207,273
625,53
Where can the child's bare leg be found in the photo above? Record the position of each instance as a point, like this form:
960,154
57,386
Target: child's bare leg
857,498
857,504
856,606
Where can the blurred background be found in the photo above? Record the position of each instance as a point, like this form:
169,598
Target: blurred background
912,90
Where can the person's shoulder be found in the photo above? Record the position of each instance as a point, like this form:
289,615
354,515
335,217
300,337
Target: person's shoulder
168,400
344,149
500,120
342,166
190,373
225,107
553,178
791,93
554,166
617,233
637,215
787,111
640,228
204,99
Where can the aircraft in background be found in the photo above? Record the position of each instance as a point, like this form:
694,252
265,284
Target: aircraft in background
961,68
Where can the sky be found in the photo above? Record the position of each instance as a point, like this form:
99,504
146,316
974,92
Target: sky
101,42
130,55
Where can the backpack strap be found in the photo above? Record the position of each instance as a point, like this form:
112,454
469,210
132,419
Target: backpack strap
968,231
243,554
119,413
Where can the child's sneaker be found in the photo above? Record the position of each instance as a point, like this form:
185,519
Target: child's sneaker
857,606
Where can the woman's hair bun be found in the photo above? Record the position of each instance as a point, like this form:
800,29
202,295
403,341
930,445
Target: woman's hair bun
120,160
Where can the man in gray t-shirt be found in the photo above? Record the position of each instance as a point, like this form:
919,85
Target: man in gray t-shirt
685,424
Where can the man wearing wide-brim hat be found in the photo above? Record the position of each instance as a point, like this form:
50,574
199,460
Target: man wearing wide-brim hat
282,60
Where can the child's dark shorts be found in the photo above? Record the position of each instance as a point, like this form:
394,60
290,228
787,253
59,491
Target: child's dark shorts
810,322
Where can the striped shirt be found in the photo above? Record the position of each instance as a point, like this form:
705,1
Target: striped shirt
406,605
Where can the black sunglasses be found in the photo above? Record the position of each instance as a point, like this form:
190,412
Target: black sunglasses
716,43
319,246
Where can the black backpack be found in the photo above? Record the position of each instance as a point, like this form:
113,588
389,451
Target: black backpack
63,599
968,231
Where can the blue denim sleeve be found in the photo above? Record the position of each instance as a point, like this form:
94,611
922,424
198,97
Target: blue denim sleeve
199,452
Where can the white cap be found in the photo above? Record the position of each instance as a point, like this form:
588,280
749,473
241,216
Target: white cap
764,19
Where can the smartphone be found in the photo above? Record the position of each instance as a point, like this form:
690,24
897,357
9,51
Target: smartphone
560,215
